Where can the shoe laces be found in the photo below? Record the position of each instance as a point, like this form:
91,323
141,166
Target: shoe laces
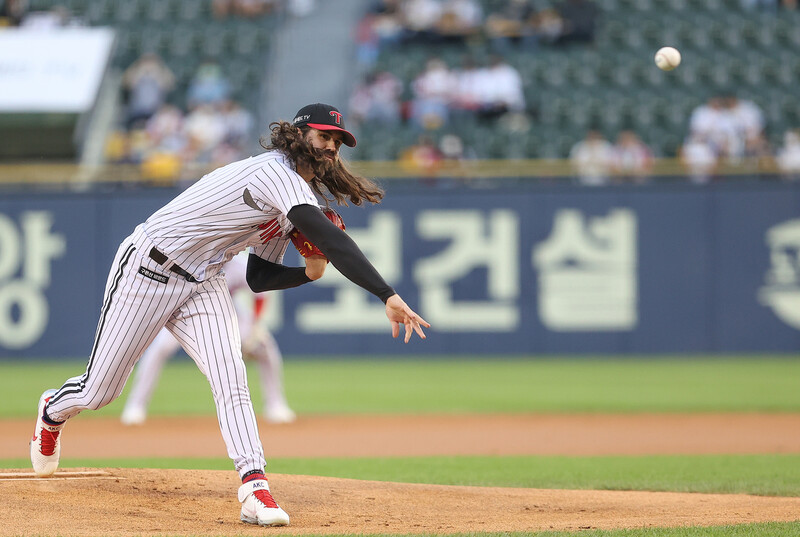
266,498
49,440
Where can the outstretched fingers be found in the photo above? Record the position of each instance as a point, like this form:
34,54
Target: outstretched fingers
414,323
398,313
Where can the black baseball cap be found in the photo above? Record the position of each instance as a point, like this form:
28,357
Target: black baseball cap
323,117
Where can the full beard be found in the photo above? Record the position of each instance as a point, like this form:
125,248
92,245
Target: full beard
323,166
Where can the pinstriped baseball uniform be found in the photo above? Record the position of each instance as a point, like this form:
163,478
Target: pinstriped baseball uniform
168,273
256,341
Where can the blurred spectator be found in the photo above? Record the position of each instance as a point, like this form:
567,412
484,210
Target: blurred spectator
222,8
209,135
421,19
377,100
368,45
147,81
698,158
788,155
579,20
205,130
388,22
759,154
733,127
243,8
748,119
515,126
632,158
432,91
513,23
466,96
118,147
138,145
548,26
12,12
238,124
165,130
360,102
208,85
592,159
56,17
300,8
452,147
423,158
457,156
460,19
500,90
712,123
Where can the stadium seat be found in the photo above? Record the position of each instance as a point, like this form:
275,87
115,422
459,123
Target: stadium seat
98,12
159,10
127,12
612,84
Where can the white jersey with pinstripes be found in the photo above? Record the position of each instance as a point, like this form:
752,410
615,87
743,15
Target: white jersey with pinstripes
239,205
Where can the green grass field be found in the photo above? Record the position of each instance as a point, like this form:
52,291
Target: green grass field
661,384
564,385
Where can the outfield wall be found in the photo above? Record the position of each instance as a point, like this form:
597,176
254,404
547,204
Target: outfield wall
524,269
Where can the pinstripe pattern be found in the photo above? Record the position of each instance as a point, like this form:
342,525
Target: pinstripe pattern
239,205
263,348
210,222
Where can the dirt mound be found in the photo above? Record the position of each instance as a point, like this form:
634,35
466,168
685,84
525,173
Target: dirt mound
124,502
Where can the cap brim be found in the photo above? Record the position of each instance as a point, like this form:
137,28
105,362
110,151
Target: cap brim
349,139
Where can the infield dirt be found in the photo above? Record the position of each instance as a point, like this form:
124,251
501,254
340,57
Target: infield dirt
149,502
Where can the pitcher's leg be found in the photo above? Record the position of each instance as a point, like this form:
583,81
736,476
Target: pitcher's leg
135,308
207,328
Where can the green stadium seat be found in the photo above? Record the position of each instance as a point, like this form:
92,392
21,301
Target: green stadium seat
74,6
608,5
159,10
98,12
127,11
192,11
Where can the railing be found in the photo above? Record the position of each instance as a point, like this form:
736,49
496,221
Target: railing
74,176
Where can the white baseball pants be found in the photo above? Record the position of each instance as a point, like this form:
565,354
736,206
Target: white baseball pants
141,297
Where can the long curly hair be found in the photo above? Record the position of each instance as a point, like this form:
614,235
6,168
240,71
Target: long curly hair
330,178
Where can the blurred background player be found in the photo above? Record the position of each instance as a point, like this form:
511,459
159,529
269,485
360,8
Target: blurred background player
258,345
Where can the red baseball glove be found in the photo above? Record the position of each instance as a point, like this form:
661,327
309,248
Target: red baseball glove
305,246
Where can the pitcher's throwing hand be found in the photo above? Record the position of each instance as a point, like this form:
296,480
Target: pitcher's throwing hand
398,313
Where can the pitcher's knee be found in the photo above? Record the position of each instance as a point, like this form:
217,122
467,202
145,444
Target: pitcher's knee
97,401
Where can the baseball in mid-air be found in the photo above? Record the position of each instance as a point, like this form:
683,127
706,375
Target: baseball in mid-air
668,58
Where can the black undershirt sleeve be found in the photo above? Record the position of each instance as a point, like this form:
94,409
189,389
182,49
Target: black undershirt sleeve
263,275
340,249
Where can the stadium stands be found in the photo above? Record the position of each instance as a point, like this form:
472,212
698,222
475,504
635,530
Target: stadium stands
609,84
612,84
183,33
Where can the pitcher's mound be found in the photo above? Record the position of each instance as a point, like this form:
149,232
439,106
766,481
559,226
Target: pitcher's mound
116,501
